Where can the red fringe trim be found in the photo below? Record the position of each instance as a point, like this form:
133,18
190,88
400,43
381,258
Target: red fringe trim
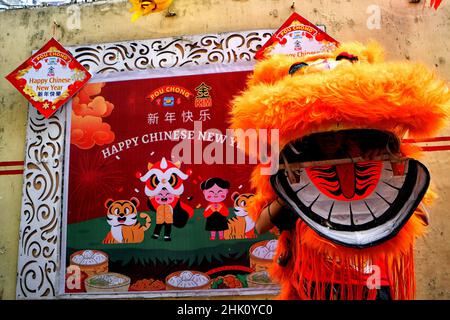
317,265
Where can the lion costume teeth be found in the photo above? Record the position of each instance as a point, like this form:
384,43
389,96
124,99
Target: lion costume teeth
361,91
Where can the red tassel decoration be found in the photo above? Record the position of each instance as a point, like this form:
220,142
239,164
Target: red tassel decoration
435,3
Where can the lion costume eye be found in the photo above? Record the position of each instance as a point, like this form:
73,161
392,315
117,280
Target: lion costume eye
173,180
297,66
347,56
154,181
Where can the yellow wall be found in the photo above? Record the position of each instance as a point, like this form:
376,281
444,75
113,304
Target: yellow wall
407,31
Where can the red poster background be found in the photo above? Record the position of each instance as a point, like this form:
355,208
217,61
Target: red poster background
93,179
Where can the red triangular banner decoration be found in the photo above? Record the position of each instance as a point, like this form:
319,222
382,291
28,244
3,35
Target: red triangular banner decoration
49,78
297,37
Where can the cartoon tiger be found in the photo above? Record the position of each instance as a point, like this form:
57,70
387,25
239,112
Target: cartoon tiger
241,226
122,217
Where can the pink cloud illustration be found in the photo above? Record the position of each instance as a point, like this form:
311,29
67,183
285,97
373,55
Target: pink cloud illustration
88,111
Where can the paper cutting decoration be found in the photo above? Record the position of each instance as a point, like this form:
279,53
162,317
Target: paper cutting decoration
49,78
297,37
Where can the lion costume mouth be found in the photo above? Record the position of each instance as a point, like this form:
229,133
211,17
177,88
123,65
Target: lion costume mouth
358,204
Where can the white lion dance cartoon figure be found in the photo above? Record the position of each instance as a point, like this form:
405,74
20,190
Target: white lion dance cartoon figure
164,187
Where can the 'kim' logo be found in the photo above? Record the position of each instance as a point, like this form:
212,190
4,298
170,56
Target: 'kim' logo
203,98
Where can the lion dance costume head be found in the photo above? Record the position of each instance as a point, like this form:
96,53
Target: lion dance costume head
353,213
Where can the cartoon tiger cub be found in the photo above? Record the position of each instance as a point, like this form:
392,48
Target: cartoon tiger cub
241,226
122,217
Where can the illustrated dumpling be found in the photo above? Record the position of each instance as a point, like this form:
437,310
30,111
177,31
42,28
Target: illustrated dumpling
113,280
188,280
175,281
260,252
199,279
77,259
109,279
186,275
189,284
87,254
183,284
269,255
266,251
88,261
99,258
272,245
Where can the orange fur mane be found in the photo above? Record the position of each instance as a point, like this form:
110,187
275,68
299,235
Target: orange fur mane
400,97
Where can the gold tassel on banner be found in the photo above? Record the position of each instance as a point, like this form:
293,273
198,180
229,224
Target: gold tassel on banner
145,7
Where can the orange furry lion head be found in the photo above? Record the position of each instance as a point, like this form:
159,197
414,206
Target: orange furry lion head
372,93
350,88
399,97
